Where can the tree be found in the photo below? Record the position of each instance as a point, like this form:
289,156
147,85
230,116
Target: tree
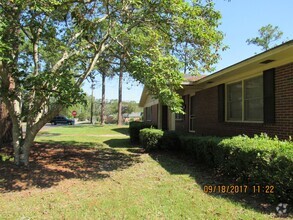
103,101
105,68
267,35
119,116
130,107
83,109
48,48
92,100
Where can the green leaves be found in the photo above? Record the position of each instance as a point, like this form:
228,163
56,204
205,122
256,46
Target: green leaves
161,76
267,35
150,138
55,45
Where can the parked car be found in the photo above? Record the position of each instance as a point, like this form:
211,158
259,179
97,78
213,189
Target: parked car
62,120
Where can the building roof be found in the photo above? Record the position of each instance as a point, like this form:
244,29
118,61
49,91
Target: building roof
191,78
272,58
188,80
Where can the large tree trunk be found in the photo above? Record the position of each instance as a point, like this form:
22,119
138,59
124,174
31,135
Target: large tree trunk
103,99
26,145
34,125
120,120
5,125
17,142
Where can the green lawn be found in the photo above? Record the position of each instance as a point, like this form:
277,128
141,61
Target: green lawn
92,172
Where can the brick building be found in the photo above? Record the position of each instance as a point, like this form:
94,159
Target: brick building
250,97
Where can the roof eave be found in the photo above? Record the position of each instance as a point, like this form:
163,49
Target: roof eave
254,59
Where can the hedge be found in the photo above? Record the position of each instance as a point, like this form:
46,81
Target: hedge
134,128
203,149
150,138
259,161
170,140
265,161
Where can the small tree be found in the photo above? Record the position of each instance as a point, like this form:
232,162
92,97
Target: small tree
267,35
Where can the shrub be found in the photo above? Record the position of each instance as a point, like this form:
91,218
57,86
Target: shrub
82,116
265,161
150,138
201,148
261,160
134,128
170,140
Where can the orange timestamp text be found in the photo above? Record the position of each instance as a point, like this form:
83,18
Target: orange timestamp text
233,189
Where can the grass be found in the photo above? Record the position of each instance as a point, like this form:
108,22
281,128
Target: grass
92,172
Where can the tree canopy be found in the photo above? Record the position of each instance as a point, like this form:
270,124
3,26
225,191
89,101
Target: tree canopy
49,47
267,35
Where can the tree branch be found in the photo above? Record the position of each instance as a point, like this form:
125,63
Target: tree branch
74,37
94,60
66,56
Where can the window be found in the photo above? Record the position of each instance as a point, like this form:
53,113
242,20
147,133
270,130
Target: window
148,113
253,99
245,100
234,101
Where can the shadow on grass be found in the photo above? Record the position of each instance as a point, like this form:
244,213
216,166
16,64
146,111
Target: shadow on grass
54,161
124,143
120,143
204,176
87,125
48,134
121,130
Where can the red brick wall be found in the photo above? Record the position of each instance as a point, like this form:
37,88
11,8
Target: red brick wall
207,111
154,115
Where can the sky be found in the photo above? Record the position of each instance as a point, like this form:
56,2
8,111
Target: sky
241,20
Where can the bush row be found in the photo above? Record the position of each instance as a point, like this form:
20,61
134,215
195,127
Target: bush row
134,128
260,161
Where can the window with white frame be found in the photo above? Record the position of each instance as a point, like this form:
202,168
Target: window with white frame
245,100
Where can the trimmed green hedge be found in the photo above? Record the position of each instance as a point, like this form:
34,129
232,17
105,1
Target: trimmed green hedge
134,128
259,161
170,140
265,161
204,149
150,138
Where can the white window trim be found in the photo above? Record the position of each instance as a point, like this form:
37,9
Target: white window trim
226,101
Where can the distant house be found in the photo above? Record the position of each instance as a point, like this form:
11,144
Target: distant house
249,97
5,125
134,116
